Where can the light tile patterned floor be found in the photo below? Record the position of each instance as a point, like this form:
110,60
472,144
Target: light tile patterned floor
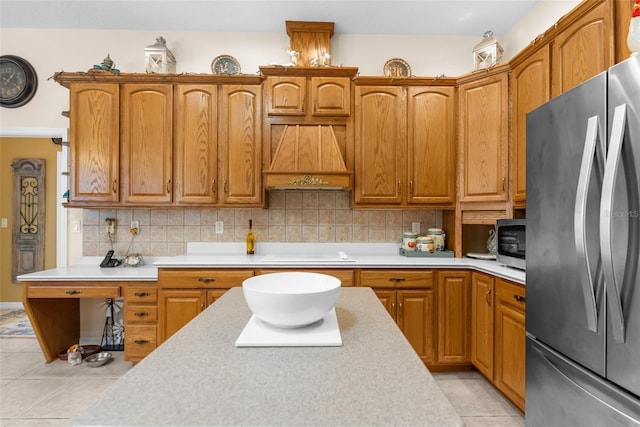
34,393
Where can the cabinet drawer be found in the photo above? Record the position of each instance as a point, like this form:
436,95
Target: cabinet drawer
209,279
140,294
139,341
397,279
140,313
511,294
112,291
345,276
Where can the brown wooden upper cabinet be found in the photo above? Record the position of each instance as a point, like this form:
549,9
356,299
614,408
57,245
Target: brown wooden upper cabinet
138,141
404,145
584,48
196,144
314,96
531,88
147,143
95,149
484,139
240,138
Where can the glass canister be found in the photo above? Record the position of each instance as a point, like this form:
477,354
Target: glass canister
425,244
438,237
409,240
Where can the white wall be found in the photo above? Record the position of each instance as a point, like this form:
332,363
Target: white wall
52,50
541,17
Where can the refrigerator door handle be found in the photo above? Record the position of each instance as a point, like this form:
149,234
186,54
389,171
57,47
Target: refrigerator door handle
606,210
580,229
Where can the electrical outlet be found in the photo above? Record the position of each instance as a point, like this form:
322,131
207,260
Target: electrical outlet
135,225
415,227
110,225
219,227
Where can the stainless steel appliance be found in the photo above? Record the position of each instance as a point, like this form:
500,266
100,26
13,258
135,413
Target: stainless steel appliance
511,242
583,229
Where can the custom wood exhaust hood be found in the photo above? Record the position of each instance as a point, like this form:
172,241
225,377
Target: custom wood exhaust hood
308,156
308,114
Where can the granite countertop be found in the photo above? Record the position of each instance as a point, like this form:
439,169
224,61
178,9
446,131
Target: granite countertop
270,255
198,377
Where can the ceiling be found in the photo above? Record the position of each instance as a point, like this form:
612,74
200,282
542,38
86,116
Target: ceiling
404,17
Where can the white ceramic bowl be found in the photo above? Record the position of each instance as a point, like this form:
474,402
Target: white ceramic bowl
291,299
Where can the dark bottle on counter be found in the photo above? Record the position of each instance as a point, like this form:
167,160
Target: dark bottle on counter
251,240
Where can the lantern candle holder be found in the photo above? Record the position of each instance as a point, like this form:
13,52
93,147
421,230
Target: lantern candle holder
158,58
487,53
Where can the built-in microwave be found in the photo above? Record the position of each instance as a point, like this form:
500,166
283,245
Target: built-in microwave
511,242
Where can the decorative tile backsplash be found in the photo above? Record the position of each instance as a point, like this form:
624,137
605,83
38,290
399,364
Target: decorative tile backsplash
292,216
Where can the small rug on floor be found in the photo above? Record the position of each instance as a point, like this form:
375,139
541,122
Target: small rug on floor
15,324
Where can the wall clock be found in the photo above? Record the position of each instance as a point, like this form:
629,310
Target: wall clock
18,81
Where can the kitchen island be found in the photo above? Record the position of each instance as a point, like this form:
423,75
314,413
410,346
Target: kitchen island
199,376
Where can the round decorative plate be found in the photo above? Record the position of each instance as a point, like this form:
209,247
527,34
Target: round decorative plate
396,67
225,64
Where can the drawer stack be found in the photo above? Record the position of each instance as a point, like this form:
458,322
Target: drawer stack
140,321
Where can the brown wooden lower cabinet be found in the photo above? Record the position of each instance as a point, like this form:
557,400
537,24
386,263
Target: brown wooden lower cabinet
482,324
408,297
413,312
510,341
498,334
454,318
185,293
140,320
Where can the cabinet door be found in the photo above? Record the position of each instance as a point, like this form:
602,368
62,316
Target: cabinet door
484,139
196,144
531,88
286,96
431,145
583,49
214,294
454,317
331,96
381,134
94,145
147,138
415,320
511,341
482,298
388,299
241,144
177,308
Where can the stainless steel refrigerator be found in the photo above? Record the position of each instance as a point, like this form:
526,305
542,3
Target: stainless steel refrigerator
583,252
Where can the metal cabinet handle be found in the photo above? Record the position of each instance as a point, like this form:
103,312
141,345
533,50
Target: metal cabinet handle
486,296
72,292
141,342
503,185
592,150
411,188
213,187
141,294
141,313
397,279
169,186
519,298
399,186
226,187
114,186
206,279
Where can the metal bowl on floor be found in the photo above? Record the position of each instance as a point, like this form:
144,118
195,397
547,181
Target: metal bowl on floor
98,359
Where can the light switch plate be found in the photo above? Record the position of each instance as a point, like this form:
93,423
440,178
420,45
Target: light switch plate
219,227
415,227
3,222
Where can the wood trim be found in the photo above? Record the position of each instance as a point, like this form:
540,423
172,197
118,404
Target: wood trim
66,78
